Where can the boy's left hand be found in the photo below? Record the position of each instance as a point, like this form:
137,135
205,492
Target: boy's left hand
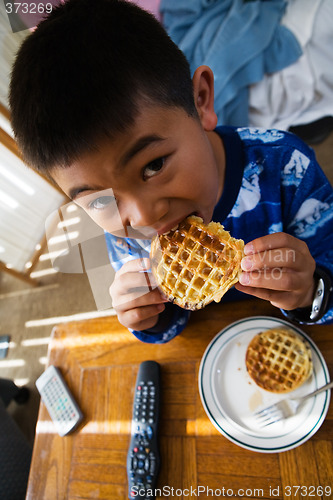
278,268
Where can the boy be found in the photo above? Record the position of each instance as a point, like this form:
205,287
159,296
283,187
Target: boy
103,102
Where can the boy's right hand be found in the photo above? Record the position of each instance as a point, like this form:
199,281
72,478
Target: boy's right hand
137,307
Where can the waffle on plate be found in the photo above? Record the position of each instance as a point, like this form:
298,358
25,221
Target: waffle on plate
196,263
279,360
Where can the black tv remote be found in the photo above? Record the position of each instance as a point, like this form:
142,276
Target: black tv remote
143,459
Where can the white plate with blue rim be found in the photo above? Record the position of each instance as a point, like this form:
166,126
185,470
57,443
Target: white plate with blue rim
230,397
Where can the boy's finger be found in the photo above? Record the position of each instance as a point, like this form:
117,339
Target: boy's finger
142,318
276,298
272,279
274,241
277,258
281,299
138,298
133,280
135,265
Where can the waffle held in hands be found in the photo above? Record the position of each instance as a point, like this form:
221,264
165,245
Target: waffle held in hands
279,360
196,263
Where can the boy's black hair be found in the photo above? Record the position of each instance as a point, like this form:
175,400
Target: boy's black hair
82,74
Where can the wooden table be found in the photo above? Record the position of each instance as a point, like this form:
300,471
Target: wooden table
100,358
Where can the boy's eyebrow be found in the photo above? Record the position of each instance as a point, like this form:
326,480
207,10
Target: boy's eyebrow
138,146
75,191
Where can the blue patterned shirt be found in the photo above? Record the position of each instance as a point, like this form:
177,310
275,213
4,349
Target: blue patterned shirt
272,183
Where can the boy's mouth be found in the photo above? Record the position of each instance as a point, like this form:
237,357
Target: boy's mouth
174,224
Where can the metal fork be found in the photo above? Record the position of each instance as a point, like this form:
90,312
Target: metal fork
285,408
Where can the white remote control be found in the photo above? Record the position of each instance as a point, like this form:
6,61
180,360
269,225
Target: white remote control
59,402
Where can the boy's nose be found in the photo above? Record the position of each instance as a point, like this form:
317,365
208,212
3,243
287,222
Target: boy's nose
143,212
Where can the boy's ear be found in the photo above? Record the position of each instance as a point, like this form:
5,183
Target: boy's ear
203,90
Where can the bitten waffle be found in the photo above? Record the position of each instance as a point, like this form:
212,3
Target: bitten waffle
279,360
196,263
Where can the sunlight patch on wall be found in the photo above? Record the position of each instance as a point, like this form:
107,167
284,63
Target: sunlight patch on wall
69,222
74,317
21,381
14,179
35,342
60,239
44,272
11,363
8,201
51,255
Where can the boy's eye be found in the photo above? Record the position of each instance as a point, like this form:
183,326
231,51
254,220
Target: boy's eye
101,202
153,167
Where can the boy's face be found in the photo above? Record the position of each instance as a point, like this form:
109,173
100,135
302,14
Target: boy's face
151,177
